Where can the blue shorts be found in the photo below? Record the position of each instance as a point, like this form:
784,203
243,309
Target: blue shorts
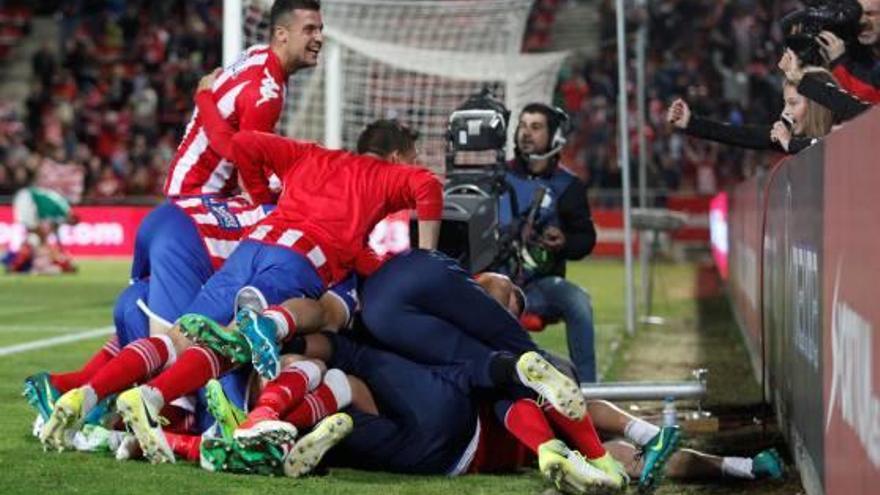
279,273
170,253
130,320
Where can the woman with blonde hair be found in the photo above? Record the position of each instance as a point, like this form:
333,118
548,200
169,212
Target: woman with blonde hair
813,105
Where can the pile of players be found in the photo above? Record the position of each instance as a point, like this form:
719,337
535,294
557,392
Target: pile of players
260,334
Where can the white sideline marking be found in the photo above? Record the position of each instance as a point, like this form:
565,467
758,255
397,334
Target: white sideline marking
54,341
37,329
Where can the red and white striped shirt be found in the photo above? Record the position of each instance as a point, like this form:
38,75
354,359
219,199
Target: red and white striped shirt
221,222
250,95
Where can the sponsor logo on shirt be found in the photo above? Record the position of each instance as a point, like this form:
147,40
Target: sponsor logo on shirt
269,89
225,218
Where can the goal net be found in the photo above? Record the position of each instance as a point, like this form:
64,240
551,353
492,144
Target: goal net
414,60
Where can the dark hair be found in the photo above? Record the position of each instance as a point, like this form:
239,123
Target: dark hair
549,114
384,136
283,7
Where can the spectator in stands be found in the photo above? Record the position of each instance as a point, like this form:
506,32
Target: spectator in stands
556,229
857,67
842,104
117,84
45,64
801,122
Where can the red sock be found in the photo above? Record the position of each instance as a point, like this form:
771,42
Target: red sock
66,381
582,434
284,392
135,362
179,419
192,370
316,406
186,446
527,423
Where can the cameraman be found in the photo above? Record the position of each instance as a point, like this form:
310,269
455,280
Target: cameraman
857,68
552,227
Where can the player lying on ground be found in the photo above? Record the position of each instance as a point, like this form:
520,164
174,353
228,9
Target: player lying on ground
424,306
645,443
425,426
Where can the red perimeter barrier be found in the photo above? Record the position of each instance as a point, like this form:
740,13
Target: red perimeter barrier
811,335
101,231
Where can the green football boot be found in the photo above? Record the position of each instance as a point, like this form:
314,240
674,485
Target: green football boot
228,456
228,343
768,464
41,394
655,453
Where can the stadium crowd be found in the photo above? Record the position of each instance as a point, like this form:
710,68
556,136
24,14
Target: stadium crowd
111,96
719,56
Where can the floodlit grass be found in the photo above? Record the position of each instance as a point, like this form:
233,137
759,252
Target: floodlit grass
33,308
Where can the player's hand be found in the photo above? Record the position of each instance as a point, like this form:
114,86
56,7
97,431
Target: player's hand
553,239
832,47
207,82
679,114
791,66
779,133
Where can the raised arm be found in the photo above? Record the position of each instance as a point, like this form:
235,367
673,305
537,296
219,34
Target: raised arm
844,105
747,136
755,137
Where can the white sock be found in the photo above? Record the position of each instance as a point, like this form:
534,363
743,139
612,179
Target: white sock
310,369
153,398
640,432
90,400
169,347
337,382
187,403
737,467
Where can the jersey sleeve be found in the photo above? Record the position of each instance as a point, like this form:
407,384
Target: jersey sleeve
861,87
410,187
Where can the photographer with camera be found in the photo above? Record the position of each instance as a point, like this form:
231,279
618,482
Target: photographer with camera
547,207
843,34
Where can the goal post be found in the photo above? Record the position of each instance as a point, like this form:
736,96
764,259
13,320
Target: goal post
414,60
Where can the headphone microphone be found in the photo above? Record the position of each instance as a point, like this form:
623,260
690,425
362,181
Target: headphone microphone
562,122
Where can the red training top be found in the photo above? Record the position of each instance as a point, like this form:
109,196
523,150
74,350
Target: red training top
331,199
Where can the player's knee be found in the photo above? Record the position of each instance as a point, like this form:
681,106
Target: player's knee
178,339
289,359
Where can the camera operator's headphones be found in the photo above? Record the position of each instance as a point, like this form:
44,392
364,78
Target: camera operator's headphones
558,122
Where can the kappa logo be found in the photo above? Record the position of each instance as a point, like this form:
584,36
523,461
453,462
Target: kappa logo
269,89
852,388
